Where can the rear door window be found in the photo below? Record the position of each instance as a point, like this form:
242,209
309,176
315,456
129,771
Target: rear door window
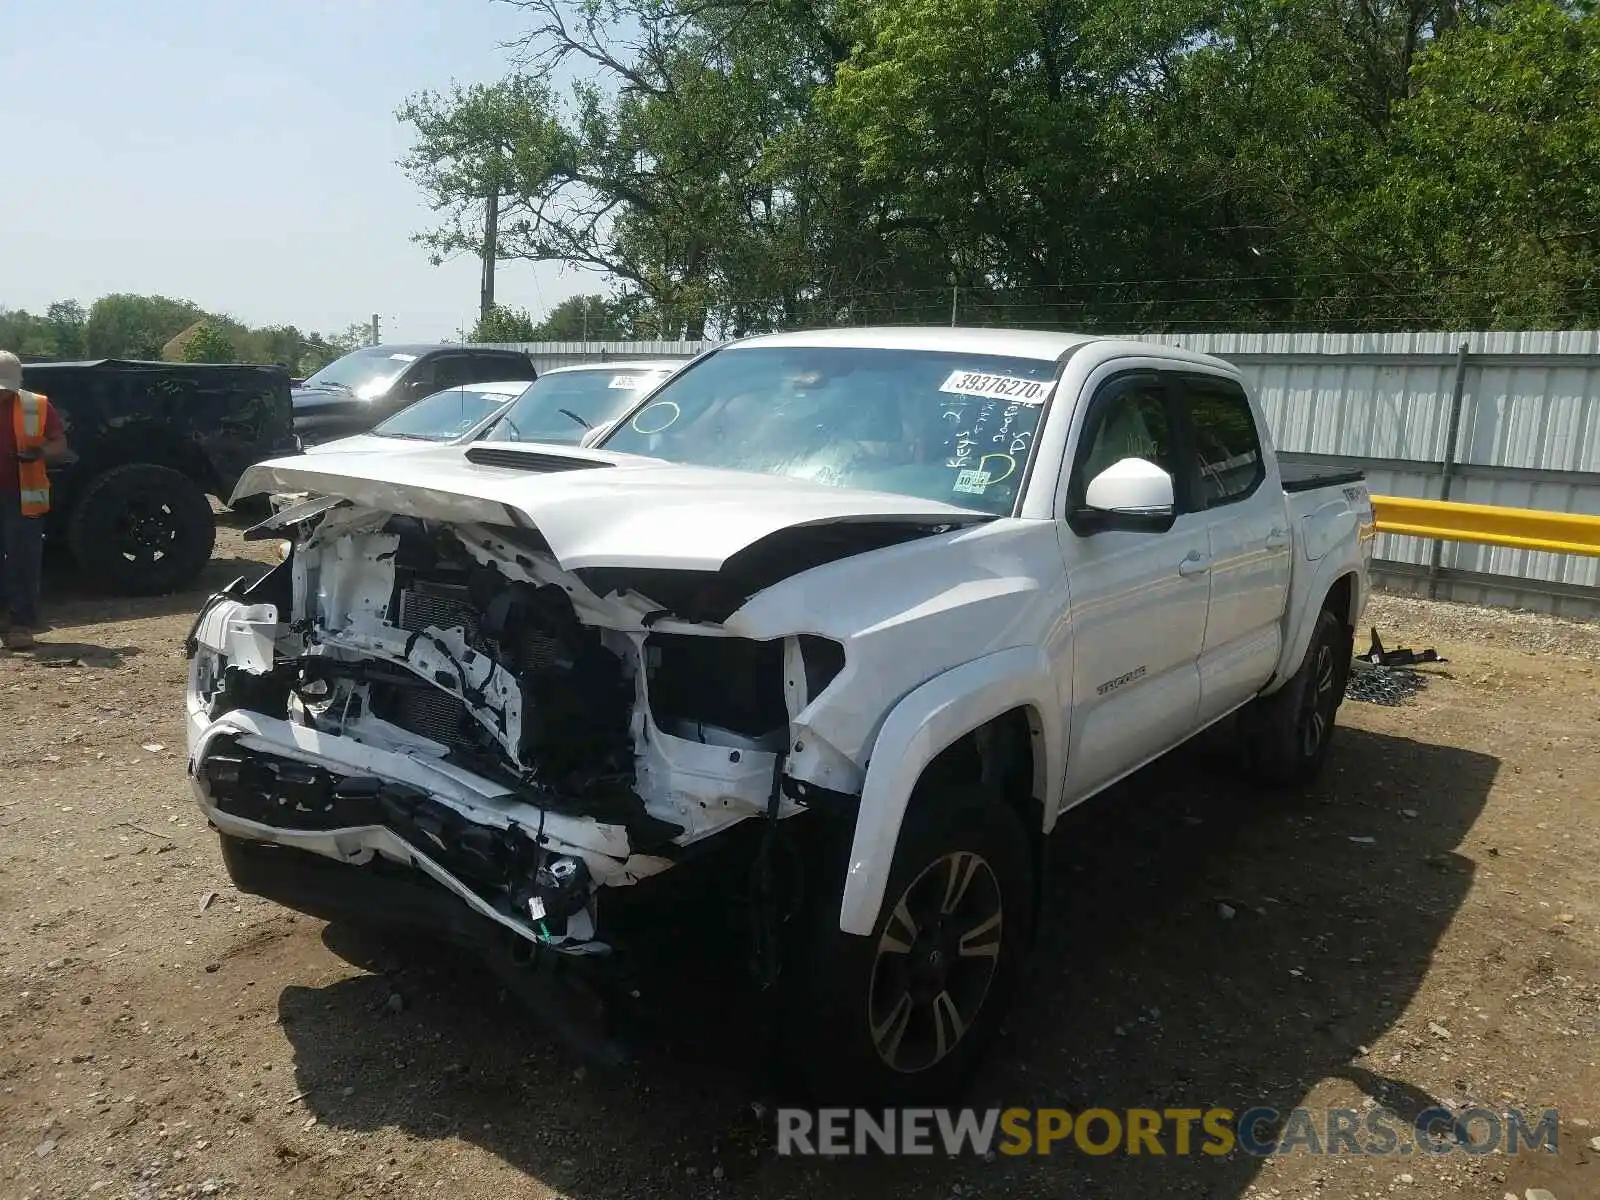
453,370
1227,445
487,368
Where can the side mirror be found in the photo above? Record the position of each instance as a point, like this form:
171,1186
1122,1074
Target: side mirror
1131,496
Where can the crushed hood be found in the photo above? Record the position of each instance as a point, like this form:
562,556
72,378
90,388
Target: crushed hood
596,509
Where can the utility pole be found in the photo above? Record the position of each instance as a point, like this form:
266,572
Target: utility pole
491,238
955,291
375,338
491,234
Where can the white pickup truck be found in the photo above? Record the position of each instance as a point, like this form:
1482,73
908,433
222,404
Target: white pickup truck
849,617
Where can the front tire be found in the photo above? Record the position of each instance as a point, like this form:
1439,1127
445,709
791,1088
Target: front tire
904,1015
142,530
1285,737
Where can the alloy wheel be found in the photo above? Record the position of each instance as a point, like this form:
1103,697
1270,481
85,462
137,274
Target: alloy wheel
1317,709
935,960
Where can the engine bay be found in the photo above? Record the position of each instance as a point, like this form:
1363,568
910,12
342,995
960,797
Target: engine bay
453,687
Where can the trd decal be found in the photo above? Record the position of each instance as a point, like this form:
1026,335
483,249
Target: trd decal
1112,685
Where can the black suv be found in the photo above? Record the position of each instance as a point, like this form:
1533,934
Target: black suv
150,441
353,393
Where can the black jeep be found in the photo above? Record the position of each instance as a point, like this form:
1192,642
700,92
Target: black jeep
150,441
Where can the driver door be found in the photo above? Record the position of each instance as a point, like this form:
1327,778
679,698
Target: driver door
1138,601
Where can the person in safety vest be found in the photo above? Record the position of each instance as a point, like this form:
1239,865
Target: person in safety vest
30,436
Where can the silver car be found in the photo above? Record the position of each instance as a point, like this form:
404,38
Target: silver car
569,406
442,417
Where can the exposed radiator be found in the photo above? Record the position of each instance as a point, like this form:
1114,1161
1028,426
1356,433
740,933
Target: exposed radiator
446,606
540,653
436,714
426,710
441,605
432,713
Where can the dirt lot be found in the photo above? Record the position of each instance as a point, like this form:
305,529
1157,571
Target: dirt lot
1422,928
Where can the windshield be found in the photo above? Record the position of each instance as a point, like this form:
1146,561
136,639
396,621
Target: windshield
443,415
367,372
956,428
563,406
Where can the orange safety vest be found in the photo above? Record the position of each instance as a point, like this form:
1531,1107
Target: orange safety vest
29,416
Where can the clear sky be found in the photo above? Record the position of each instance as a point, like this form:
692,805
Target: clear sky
240,154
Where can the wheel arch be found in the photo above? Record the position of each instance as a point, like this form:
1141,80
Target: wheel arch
1340,599
138,444
996,718
1336,588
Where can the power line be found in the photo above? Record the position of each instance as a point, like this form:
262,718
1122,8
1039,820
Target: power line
979,288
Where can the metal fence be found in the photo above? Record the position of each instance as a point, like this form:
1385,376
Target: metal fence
562,354
1488,418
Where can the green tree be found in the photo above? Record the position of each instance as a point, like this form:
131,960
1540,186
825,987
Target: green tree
21,332
316,353
208,344
694,170
66,319
127,326
503,324
146,326
1484,190
351,337
281,344
321,349
590,317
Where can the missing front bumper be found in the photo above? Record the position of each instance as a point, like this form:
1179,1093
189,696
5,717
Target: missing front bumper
567,1000
509,875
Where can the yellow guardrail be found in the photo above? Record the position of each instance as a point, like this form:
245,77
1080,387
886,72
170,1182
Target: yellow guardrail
1489,524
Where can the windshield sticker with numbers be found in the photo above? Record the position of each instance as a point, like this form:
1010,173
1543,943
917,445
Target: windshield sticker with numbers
973,483
627,382
1004,387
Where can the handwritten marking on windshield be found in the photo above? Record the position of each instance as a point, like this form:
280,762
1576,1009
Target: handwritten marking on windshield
1010,467
967,439
652,427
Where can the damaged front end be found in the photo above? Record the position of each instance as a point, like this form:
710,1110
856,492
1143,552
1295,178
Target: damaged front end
443,701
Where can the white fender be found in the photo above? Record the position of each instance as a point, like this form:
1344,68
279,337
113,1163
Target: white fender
1307,604
917,729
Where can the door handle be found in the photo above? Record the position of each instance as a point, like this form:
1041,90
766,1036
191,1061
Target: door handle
1277,539
1195,564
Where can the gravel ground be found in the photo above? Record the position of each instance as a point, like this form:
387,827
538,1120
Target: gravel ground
1419,928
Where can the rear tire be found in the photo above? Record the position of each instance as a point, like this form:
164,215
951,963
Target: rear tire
1285,736
904,1015
141,529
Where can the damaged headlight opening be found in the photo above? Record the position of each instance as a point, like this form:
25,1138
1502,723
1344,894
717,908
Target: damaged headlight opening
447,697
